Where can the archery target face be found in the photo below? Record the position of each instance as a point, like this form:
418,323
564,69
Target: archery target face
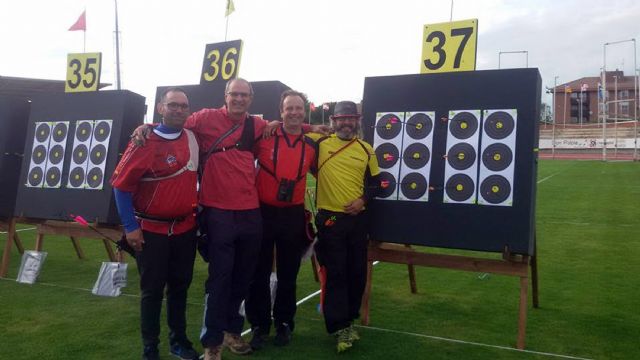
461,163
417,145
387,144
98,154
80,154
498,154
47,154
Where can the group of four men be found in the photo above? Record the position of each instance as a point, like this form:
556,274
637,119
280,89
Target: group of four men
245,215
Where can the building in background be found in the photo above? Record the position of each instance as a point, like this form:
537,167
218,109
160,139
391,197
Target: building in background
580,101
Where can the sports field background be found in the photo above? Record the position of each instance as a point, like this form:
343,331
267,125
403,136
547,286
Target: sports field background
588,221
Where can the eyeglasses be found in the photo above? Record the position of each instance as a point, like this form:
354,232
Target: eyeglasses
239,94
176,106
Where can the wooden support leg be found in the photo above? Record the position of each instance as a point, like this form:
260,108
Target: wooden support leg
110,253
16,239
76,246
522,318
314,267
534,281
367,294
412,275
6,255
121,257
39,240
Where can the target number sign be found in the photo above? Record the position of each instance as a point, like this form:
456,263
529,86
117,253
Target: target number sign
449,47
83,72
221,61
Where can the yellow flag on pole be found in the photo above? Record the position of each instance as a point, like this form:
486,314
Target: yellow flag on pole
230,8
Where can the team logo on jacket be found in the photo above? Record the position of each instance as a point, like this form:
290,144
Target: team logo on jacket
171,160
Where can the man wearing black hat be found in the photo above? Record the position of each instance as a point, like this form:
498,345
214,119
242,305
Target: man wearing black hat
347,178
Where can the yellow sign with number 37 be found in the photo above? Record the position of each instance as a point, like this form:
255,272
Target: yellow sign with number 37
449,47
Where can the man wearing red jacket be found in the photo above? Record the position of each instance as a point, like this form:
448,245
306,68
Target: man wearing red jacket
156,195
284,161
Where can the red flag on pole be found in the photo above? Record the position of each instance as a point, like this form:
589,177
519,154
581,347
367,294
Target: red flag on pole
80,24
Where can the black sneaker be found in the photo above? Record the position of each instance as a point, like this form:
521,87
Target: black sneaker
150,352
184,352
283,335
259,339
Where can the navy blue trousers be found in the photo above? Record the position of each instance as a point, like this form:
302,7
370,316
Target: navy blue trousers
234,242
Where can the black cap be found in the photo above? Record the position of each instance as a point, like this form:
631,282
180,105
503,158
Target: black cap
345,109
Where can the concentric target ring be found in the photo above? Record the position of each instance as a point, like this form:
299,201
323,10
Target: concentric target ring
459,187
59,132
53,177
94,178
39,154
388,184
98,154
463,125
495,189
80,154
387,154
461,156
499,125
83,131
102,131
35,176
413,186
76,177
56,154
42,132
419,126
416,155
388,127
497,157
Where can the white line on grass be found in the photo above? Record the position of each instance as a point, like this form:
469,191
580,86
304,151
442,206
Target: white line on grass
19,230
472,343
548,177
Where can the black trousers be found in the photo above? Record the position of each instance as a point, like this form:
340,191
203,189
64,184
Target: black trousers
234,243
284,227
342,251
165,261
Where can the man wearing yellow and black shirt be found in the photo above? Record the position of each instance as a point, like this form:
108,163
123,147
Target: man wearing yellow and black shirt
347,178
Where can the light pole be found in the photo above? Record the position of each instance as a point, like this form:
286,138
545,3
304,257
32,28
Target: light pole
117,49
604,79
553,129
514,52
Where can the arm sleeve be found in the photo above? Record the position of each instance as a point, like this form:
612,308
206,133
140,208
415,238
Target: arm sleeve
124,202
372,186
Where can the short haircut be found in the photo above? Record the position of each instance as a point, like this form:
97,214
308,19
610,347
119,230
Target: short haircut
166,91
226,88
288,93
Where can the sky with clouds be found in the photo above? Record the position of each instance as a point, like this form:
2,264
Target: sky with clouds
324,48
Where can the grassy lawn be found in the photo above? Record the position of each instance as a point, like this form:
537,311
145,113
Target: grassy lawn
588,221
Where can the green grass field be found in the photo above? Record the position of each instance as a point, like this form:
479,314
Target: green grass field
588,221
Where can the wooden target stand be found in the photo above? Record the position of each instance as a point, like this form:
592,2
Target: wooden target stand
64,228
510,265
9,225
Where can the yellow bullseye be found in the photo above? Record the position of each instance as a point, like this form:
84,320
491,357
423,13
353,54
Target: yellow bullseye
499,125
459,187
98,154
416,156
35,176
413,186
461,156
418,126
388,126
497,157
463,125
495,189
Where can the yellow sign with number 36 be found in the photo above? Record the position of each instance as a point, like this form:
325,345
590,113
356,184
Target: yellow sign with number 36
221,61
449,47
83,72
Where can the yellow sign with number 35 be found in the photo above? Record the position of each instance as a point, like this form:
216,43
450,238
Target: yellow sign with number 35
449,47
83,72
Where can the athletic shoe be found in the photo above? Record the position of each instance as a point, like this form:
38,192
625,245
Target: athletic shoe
283,335
236,344
343,339
213,353
259,339
353,334
184,352
150,352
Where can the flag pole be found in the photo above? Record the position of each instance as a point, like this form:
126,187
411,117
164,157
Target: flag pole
117,49
226,28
